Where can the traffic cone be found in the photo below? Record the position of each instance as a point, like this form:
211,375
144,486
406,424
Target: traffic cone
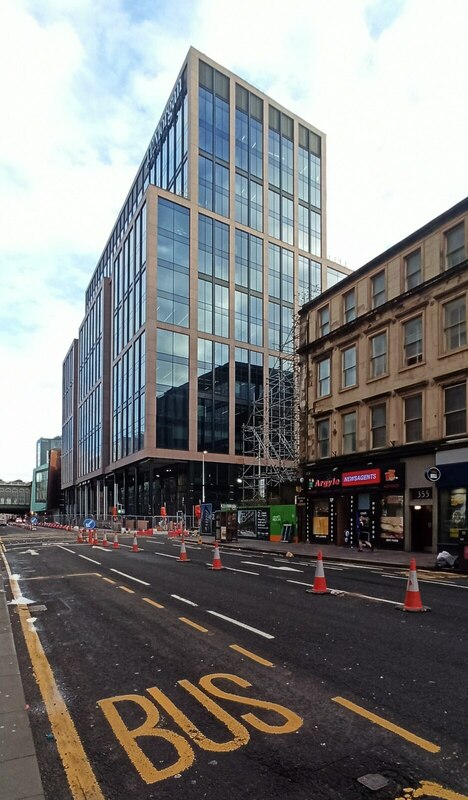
105,543
90,536
135,544
216,558
95,539
79,537
320,584
413,597
116,541
183,553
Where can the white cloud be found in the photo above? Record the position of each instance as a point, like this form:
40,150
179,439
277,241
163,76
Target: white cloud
83,84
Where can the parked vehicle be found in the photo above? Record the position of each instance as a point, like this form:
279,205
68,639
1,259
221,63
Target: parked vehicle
3,519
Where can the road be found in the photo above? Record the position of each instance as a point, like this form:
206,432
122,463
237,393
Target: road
155,677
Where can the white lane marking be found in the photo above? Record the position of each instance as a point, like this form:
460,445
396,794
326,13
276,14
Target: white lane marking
164,555
269,566
130,577
369,567
89,559
184,600
104,549
299,583
354,594
245,571
241,624
425,580
67,549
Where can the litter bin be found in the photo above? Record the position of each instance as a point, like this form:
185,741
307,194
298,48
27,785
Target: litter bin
463,550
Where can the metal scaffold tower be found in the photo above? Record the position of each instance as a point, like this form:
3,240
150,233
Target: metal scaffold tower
271,436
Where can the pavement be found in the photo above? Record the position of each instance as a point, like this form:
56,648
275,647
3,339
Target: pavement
19,770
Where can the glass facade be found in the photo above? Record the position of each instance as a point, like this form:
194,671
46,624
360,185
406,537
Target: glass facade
213,396
129,285
248,390
213,281
128,400
173,263
90,388
172,389
213,141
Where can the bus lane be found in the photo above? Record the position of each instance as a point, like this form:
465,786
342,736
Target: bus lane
155,697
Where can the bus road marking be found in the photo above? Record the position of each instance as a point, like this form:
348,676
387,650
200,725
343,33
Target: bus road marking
194,625
251,655
152,602
390,726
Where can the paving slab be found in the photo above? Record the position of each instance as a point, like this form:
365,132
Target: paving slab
20,778
15,736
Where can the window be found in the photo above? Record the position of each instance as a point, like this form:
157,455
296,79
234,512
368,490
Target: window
324,377
412,347
455,409
334,276
378,289
413,418
413,270
324,321
379,425
349,305
378,353
349,432
323,438
455,245
455,323
349,377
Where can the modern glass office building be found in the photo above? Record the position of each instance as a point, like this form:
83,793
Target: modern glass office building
221,238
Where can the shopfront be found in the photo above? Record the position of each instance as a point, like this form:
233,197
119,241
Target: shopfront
365,504
452,488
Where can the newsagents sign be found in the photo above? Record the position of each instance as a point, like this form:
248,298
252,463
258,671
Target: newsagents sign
362,477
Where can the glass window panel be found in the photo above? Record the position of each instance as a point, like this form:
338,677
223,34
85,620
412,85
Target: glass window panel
455,323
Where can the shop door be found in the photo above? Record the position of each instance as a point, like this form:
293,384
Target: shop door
421,529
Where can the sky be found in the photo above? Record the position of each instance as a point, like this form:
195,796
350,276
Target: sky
83,84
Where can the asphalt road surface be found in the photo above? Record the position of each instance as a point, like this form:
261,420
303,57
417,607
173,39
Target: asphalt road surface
151,678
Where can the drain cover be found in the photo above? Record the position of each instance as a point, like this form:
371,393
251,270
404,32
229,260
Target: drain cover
373,781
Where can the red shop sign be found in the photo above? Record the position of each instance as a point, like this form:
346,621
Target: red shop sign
363,477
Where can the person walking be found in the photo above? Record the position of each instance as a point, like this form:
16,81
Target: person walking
364,533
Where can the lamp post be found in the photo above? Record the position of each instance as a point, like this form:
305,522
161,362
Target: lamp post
203,476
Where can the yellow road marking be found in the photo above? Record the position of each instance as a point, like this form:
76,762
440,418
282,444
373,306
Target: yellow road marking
193,624
251,655
108,580
384,723
61,577
81,778
126,589
152,602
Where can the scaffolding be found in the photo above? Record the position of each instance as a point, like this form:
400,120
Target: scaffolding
271,436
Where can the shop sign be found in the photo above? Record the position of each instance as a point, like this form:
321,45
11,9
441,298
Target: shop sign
263,523
324,483
362,477
164,121
432,474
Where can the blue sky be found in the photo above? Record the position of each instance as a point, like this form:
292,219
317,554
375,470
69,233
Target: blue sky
83,83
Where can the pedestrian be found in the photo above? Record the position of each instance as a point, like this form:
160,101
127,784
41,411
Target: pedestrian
364,532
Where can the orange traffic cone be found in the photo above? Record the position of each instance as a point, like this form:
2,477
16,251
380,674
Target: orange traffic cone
183,553
116,541
105,543
413,597
216,558
135,544
95,539
320,584
90,536
79,537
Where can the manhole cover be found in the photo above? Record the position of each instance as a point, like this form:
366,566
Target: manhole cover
373,781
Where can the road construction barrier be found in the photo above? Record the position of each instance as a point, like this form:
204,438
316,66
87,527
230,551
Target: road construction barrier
135,544
183,552
413,597
320,584
216,558
116,541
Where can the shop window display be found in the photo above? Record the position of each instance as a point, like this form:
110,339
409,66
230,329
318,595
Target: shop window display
391,519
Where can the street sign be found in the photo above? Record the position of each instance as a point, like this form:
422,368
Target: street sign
89,523
33,520
432,474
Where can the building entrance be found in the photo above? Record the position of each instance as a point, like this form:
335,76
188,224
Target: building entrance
421,528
